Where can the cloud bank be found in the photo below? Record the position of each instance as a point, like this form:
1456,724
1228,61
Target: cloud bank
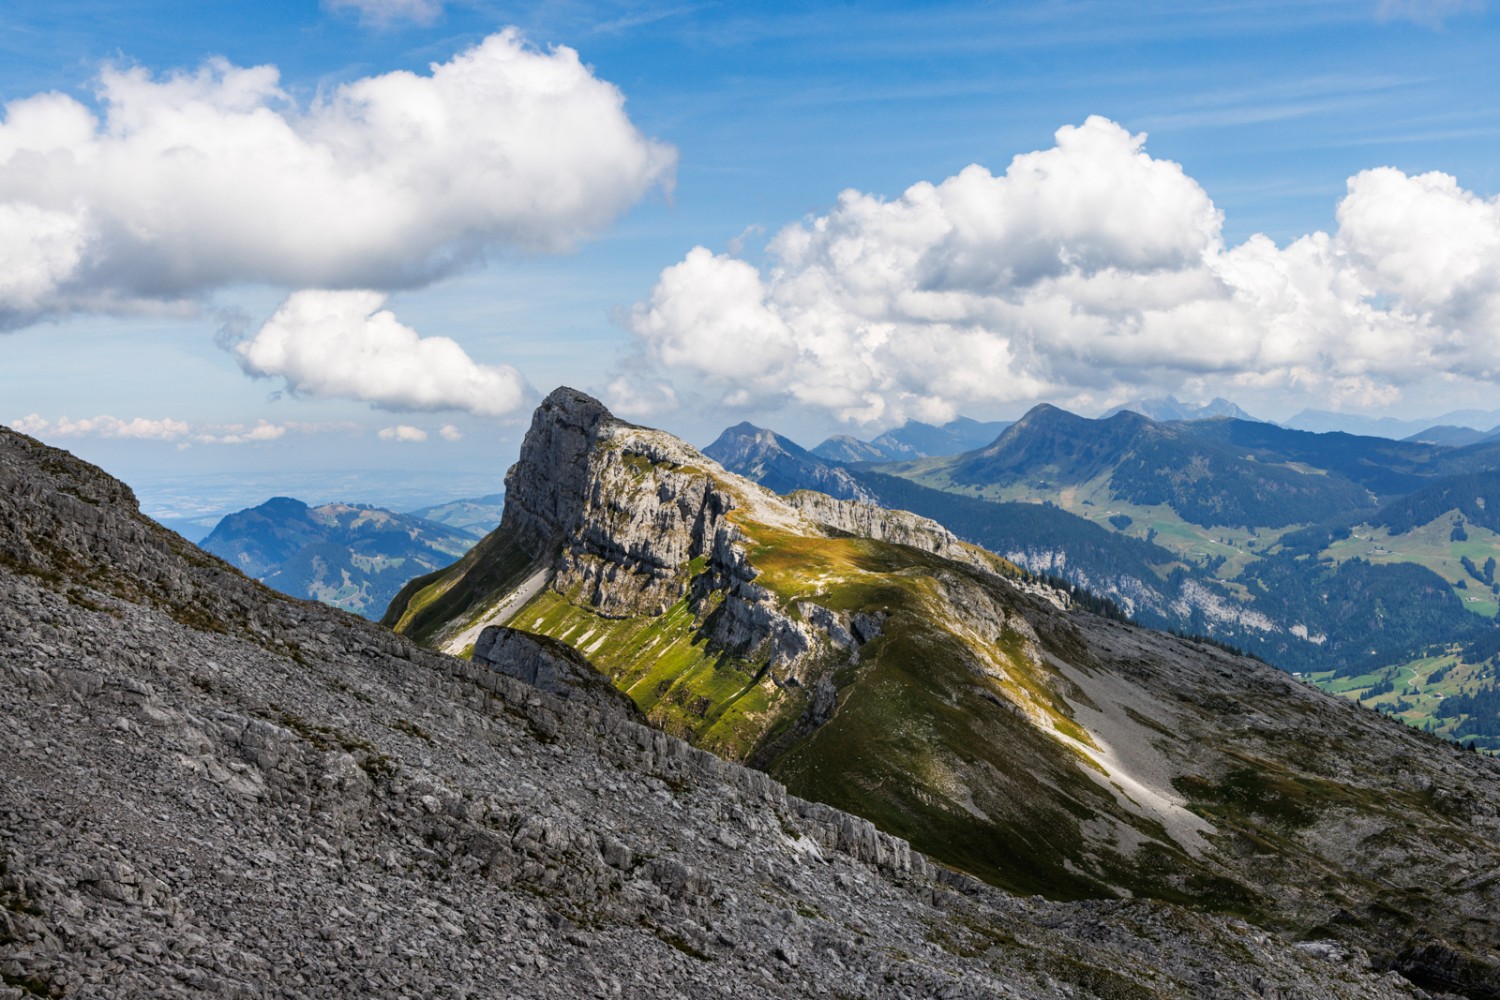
164,429
191,181
329,344
1085,270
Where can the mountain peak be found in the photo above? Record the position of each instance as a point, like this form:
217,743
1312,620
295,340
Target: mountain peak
779,464
1165,408
542,488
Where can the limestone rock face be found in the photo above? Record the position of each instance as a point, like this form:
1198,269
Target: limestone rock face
868,520
630,512
543,488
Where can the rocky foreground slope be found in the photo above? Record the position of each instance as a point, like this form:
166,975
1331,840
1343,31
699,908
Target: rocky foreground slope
869,660
213,790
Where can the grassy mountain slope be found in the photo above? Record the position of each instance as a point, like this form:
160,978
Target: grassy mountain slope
1287,524
869,659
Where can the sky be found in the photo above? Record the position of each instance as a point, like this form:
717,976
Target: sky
341,249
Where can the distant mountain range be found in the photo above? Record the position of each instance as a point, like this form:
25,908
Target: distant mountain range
1453,437
912,439
1326,421
350,556
1358,560
477,515
781,465
1171,408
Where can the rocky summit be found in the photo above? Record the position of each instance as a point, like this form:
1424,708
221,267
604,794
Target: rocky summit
869,660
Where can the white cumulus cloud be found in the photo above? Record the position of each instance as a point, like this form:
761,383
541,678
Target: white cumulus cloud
450,433
403,433
1084,270
186,182
347,345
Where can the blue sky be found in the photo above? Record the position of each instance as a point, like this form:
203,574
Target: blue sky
1094,271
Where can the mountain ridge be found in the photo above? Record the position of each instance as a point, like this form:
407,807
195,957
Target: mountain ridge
1162,408
913,439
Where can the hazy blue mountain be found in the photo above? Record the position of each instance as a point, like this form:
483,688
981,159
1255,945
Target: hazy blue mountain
913,439
1324,421
847,450
476,515
1200,470
349,556
780,464
919,440
1172,408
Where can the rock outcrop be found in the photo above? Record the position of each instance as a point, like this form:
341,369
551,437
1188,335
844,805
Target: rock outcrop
899,527
550,666
630,517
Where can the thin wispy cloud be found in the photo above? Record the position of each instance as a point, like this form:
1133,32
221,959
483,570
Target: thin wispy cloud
168,429
1430,13
643,18
141,428
1329,97
385,13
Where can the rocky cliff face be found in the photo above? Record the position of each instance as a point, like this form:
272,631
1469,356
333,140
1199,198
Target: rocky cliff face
627,518
210,790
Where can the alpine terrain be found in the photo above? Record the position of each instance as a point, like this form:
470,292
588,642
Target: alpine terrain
212,789
868,659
